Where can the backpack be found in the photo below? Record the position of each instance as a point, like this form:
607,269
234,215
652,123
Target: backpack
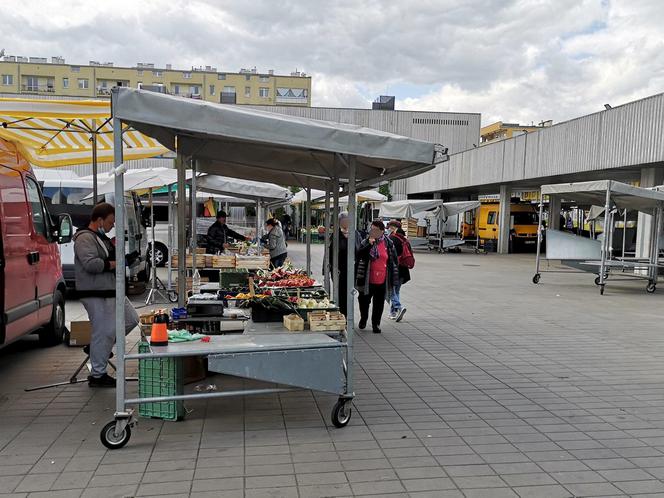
406,258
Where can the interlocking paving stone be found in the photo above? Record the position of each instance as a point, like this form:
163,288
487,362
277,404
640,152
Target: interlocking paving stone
490,387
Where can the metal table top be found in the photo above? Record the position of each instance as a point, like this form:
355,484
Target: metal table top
242,343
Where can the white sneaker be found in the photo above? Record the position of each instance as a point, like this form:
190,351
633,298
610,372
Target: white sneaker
400,314
392,316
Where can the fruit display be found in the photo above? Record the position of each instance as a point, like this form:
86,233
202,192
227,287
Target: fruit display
285,277
313,303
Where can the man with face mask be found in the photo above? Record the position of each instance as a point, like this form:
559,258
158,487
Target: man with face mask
95,284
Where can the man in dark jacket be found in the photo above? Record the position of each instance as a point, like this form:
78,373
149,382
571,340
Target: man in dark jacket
398,238
219,234
95,285
342,234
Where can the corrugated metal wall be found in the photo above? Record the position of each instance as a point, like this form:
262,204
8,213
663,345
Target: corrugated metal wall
625,136
456,131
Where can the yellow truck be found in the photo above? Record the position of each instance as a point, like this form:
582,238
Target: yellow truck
523,224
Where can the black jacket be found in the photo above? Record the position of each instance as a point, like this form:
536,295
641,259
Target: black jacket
363,267
219,234
404,272
343,252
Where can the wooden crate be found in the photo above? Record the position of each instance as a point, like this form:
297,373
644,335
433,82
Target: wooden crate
325,321
294,322
223,261
190,282
252,262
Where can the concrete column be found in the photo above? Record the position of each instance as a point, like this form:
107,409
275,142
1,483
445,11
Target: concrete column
504,217
650,177
554,212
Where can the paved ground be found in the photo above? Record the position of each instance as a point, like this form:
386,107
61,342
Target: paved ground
491,387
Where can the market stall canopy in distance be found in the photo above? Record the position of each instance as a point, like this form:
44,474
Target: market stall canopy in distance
263,146
52,133
318,196
593,193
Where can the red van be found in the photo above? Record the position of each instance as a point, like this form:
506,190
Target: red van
31,284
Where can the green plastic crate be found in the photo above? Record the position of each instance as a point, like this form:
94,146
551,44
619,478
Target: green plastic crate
231,277
160,377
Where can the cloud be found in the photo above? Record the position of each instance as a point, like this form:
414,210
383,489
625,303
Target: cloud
515,60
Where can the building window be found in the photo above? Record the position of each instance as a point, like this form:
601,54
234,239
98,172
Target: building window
157,74
229,89
65,82
247,91
195,90
221,76
186,76
7,79
84,83
247,77
75,69
139,72
32,84
211,89
176,90
264,92
264,79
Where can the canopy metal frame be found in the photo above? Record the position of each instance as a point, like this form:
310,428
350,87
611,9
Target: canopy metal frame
616,195
259,357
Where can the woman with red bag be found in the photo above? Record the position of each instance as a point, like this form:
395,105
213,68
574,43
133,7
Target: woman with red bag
377,273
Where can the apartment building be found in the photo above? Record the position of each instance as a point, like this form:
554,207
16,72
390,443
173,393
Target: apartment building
39,76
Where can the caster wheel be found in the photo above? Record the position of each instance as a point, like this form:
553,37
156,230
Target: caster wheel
173,296
651,288
111,440
601,289
596,280
536,278
341,413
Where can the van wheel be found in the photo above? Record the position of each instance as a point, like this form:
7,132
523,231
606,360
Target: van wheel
53,333
160,254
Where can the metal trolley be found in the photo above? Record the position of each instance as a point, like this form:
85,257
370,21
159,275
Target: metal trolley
265,147
595,256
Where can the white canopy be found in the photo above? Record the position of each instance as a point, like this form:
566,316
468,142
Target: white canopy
407,208
247,189
319,196
242,142
141,179
594,193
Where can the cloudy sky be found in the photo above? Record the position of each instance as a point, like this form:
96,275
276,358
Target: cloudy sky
511,60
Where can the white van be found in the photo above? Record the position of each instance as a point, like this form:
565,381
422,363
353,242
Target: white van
68,194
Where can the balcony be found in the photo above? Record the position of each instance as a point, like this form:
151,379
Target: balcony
37,89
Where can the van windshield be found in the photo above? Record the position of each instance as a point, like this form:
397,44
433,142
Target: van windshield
525,218
67,195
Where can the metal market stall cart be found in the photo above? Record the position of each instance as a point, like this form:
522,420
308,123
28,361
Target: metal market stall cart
435,210
595,255
262,146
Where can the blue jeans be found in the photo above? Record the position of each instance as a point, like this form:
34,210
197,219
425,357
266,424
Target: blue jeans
396,299
278,261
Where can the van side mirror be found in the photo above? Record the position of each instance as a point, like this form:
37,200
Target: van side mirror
65,229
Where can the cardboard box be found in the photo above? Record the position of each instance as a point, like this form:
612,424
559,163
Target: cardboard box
79,333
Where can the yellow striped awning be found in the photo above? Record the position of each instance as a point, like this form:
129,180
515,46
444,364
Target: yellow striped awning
52,133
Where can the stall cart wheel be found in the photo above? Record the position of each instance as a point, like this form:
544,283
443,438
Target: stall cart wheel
111,440
536,278
651,288
341,413
173,296
597,280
